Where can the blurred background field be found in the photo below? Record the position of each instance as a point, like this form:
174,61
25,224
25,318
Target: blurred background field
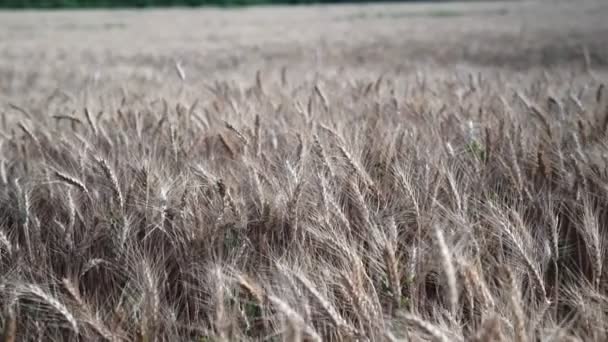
73,50
166,3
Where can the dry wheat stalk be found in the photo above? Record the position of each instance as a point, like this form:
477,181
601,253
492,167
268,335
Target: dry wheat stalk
180,71
111,176
93,263
426,327
292,206
394,276
518,242
90,121
334,208
322,96
68,118
591,235
355,166
294,318
449,270
358,297
20,110
236,132
257,136
228,202
360,205
325,305
480,286
23,201
71,181
258,81
151,298
35,291
86,311
323,156
30,134
515,305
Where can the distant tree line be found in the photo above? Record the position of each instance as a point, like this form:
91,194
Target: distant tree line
153,3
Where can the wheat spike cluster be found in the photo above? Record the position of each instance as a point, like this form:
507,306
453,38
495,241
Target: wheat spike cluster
347,200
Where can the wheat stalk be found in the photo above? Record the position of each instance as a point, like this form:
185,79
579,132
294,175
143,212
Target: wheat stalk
90,121
360,205
93,263
111,176
480,286
292,206
358,297
449,270
151,304
68,118
428,328
515,305
528,263
322,96
180,71
355,166
591,235
71,181
294,318
228,202
394,278
334,208
325,305
323,156
30,134
20,110
237,133
36,291
257,136
24,209
85,309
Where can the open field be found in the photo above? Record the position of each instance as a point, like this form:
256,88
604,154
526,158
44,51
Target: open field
386,172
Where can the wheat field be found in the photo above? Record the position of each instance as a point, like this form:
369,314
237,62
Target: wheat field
384,172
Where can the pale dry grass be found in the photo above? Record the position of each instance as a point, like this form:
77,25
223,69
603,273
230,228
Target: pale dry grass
386,172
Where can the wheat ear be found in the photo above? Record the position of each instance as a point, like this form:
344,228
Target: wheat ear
111,176
90,318
51,301
90,121
72,181
294,318
335,317
448,268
